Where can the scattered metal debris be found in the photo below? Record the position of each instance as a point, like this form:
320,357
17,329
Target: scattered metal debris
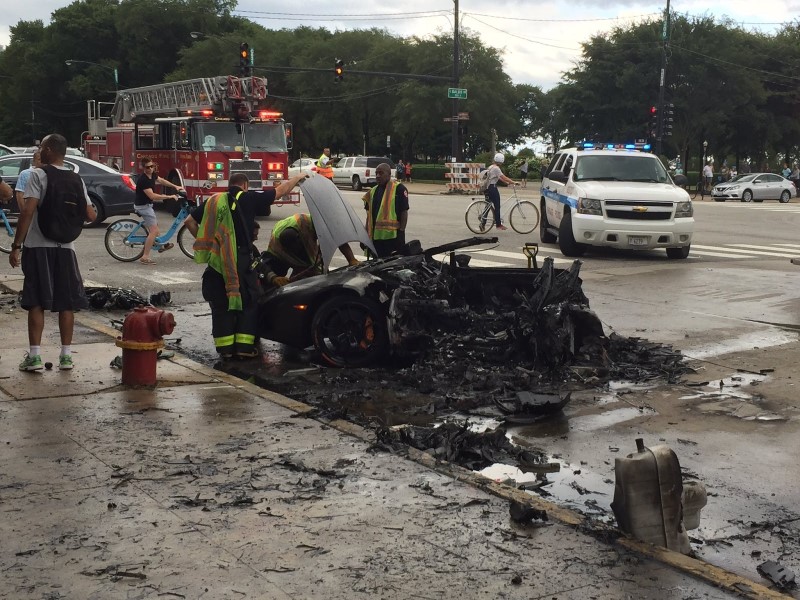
524,513
124,299
777,574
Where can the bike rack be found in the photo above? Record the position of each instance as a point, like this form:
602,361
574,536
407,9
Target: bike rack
530,250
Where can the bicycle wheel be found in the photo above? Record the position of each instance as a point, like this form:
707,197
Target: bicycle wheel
7,234
186,241
694,191
524,216
479,216
117,243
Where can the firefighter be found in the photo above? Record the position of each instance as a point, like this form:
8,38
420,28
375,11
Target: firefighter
387,212
324,166
223,227
294,245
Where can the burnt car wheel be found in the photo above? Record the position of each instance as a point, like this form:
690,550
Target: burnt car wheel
350,332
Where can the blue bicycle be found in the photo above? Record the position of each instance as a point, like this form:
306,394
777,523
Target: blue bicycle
125,238
7,233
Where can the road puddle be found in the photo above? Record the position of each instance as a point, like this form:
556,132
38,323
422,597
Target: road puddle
733,396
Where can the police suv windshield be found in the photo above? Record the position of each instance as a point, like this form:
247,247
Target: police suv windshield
620,167
261,137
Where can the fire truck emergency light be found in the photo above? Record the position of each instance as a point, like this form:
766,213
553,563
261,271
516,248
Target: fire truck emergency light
268,114
275,166
214,166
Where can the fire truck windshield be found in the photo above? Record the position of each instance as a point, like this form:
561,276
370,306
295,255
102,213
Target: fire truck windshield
261,137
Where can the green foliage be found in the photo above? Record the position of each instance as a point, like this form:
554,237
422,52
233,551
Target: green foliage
731,87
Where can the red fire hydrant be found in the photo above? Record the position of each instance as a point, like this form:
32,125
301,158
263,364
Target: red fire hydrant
141,339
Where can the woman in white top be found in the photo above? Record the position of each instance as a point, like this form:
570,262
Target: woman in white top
492,193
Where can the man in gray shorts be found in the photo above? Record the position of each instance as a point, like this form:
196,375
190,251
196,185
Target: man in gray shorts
143,204
52,278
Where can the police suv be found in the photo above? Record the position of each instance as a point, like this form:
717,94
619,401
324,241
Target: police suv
614,195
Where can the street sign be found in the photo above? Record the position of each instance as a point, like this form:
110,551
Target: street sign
463,116
449,119
460,93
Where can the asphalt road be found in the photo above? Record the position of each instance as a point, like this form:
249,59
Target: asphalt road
731,306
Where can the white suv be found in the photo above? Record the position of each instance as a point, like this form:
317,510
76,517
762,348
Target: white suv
613,196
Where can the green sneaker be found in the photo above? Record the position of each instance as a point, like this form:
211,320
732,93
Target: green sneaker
65,362
31,363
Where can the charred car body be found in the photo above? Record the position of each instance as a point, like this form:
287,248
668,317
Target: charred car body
402,306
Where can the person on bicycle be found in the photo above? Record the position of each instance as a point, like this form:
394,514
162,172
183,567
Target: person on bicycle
708,174
143,204
492,193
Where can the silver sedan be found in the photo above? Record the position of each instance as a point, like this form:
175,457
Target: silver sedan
755,187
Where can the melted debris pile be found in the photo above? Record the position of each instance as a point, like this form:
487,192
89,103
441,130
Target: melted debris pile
118,298
458,445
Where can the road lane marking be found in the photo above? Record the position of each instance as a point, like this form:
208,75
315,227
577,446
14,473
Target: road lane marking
738,251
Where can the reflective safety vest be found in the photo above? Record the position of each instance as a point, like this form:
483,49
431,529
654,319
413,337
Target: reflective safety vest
385,226
216,244
308,235
326,170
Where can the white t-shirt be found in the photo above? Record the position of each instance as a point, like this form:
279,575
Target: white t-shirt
707,172
37,188
495,173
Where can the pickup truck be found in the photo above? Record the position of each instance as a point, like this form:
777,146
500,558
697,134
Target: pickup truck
358,171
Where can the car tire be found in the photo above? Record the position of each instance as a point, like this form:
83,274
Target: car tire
566,239
747,196
101,212
545,235
350,331
357,185
786,195
678,253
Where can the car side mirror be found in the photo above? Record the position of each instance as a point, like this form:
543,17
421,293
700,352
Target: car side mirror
756,181
558,176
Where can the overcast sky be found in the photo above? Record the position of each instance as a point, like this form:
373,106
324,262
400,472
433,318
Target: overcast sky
539,38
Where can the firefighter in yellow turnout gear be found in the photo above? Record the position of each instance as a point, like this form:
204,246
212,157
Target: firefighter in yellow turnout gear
224,226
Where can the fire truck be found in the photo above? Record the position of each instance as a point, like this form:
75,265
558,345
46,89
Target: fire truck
199,132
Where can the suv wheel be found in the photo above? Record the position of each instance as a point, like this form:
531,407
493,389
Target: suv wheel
678,252
566,239
357,185
545,235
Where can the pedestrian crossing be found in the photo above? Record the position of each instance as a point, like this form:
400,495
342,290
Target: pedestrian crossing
496,257
767,205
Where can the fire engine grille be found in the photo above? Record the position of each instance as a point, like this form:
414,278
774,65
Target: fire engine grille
251,168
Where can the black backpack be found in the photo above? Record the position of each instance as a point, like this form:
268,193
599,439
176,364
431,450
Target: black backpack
63,208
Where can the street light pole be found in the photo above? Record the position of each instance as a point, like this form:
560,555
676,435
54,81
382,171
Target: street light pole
69,62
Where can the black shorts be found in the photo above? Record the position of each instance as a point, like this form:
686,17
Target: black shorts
52,280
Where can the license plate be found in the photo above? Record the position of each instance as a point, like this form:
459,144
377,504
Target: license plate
637,240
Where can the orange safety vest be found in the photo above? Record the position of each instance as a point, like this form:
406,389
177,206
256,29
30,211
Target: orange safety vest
386,224
326,170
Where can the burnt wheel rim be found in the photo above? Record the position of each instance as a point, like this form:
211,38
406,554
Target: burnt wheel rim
348,334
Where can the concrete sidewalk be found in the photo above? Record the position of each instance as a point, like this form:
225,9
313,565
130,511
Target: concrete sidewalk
208,486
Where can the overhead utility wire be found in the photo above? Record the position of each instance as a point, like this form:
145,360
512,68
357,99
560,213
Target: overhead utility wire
562,20
733,64
524,38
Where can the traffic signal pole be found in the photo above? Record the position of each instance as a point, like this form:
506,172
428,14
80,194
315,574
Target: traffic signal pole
662,80
455,146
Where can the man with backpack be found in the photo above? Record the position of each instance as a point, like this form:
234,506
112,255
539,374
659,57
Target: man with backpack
56,205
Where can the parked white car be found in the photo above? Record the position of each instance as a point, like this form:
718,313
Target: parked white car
302,165
614,196
755,187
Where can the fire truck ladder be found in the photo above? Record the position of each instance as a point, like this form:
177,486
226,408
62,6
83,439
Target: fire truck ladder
218,94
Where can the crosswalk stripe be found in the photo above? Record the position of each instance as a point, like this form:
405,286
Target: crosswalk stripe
738,251
789,245
695,252
754,247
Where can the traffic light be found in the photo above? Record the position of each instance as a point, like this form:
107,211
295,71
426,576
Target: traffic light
653,121
338,70
666,124
244,59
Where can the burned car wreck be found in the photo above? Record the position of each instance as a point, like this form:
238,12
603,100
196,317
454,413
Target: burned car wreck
395,310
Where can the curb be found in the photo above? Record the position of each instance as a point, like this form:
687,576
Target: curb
697,568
